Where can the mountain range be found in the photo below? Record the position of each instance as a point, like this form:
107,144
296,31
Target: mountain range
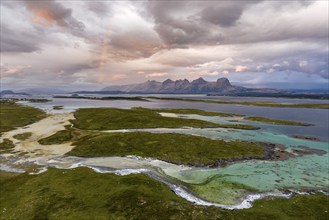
198,86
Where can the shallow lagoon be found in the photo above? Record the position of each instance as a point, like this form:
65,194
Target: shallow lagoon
318,117
306,172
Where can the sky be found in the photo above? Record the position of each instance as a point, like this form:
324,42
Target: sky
88,45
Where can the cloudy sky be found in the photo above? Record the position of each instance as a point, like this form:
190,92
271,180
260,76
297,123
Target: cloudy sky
91,44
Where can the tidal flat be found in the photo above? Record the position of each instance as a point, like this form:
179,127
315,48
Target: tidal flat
110,147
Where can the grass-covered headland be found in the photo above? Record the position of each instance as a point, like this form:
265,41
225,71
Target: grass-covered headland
83,194
195,112
137,118
13,115
108,98
114,119
175,148
275,121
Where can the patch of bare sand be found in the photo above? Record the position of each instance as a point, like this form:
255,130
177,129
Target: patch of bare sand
41,129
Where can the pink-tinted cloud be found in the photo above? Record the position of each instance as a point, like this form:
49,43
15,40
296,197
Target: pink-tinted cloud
7,70
151,75
240,68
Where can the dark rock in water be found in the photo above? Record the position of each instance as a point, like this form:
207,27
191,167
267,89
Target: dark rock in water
306,137
302,150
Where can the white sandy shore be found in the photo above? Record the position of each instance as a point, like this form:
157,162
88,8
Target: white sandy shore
41,129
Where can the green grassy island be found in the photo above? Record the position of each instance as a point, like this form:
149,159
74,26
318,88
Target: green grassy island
115,119
196,112
275,121
23,136
58,107
138,118
261,104
175,148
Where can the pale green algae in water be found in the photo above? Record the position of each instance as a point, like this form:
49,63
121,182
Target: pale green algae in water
231,184
310,171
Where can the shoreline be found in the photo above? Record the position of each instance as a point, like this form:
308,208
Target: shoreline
246,202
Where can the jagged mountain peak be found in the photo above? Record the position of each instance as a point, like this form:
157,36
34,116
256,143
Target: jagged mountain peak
223,82
168,81
199,80
197,86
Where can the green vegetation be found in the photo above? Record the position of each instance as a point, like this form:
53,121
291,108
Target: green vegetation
13,116
38,100
114,119
13,100
57,138
83,194
68,135
196,112
239,126
57,107
6,145
275,121
22,136
262,104
138,118
75,96
175,148
215,189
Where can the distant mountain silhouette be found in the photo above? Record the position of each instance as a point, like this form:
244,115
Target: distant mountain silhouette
198,86
10,92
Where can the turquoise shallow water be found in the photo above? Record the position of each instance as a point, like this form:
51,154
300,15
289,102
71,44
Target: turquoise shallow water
295,174
308,171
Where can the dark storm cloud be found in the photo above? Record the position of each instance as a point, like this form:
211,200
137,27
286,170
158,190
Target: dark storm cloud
226,13
177,31
75,68
133,45
183,23
100,8
101,41
192,23
18,40
44,14
52,12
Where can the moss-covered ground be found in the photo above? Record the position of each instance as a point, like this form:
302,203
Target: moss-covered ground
57,138
113,119
195,112
83,194
138,118
275,121
22,136
175,148
68,135
6,145
13,115
58,107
